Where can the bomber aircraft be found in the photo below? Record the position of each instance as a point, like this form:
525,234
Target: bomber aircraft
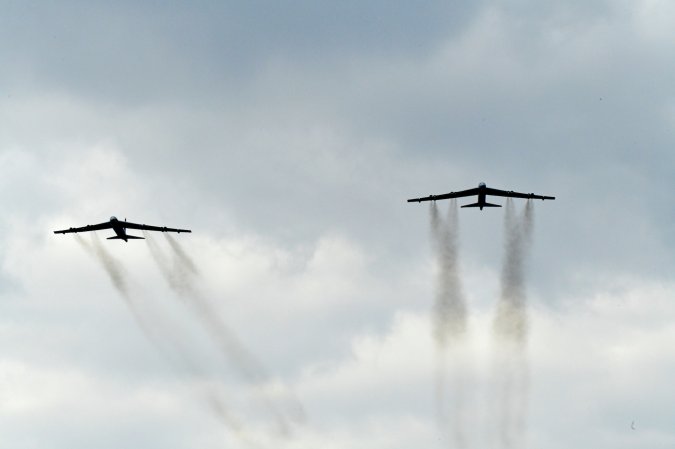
120,228
482,191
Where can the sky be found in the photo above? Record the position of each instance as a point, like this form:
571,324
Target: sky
287,136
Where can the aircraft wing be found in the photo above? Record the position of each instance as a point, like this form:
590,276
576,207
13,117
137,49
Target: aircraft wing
143,227
96,227
445,196
512,194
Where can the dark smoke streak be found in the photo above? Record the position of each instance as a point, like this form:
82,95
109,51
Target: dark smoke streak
181,275
111,266
450,312
185,259
449,321
180,280
118,277
511,329
158,333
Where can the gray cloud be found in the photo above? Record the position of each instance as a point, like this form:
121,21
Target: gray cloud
131,52
565,105
289,135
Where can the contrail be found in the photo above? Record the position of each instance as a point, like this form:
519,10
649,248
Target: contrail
180,280
511,329
111,266
449,322
178,250
118,277
181,274
158,334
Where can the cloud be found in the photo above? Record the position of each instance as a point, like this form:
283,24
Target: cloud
605,341
288,137
512,87
134,53
359,354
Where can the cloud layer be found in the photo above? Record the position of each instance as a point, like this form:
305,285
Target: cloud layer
288,136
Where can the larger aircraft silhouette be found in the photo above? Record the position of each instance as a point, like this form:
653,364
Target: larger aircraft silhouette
120,228
482,191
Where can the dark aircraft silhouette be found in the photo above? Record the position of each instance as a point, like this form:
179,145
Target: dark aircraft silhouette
482,191
120,228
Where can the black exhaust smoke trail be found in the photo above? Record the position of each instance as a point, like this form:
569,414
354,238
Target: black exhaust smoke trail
181,274
186,261
511,329
291,406
111,266
157,333
118,277
449,323
179,279
149,324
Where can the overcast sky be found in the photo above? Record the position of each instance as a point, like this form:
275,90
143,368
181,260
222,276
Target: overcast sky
287,136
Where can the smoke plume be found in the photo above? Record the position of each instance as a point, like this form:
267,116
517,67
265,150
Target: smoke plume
511,330
119,279
161,334
449,324
180,273
185,260
182,276
112,267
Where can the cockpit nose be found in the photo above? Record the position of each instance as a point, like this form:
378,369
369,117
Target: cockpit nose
113,218
482,184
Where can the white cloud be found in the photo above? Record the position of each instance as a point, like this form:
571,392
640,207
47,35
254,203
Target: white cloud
289,149
655,19
354,344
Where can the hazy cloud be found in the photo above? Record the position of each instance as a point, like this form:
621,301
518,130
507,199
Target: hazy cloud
288,136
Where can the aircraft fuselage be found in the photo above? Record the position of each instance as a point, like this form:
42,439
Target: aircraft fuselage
482,195
120,230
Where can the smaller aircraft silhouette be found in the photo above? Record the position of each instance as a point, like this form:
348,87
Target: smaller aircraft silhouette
482,191
632,425
120,228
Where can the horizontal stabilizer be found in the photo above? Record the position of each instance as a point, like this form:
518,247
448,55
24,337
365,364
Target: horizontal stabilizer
125,237
482,205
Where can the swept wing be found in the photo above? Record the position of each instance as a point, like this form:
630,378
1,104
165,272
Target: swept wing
445,196
96,227
512,194
144,227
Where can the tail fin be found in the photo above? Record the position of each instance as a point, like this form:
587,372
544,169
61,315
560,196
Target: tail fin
482,205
